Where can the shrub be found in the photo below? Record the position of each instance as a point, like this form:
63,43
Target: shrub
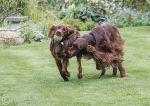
11,7
87,26
94,14
120,20
27,34
73,22
146,18
125,18
33,32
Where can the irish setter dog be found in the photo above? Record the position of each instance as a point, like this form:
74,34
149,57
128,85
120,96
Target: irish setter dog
62,37
105,45
104,41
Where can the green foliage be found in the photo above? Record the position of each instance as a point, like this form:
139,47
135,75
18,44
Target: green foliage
73,22
65,4
34,31
27,34
98,10
32,10
46,20
11,7
123,20
72,12
138,4
87,26
94,14
126,19
148,1
79,24
50,12
42,24
82,10
146,18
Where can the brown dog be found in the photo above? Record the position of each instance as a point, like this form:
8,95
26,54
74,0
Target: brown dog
62,37
104,39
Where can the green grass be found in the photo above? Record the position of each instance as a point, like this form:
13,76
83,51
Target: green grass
29,77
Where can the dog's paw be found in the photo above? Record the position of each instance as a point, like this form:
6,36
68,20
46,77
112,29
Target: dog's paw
123,75
113,75
66,79
79,76
101,76
64,76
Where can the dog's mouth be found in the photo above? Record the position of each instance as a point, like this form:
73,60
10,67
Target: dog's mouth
58,34
57,38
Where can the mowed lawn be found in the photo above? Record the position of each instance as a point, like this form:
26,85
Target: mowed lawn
29,76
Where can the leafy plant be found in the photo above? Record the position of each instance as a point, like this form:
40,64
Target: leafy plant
11,7
73,22
33,32
127,17
79,25
27,34
87,26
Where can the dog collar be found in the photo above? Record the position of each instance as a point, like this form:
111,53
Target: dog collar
62,43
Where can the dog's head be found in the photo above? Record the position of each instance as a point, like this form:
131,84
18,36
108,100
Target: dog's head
78,45
59,32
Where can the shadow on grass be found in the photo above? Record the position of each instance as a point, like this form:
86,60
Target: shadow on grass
87,78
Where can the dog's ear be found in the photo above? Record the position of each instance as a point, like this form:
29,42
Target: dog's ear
77,34
52,31
70,30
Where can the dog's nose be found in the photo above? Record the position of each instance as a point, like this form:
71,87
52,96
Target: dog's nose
58,33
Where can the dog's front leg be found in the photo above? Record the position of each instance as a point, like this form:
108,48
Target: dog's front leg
79,67
59,65
65,62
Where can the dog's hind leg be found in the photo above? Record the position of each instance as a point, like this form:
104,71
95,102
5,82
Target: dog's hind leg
122,70
103,71
97,66
114,74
